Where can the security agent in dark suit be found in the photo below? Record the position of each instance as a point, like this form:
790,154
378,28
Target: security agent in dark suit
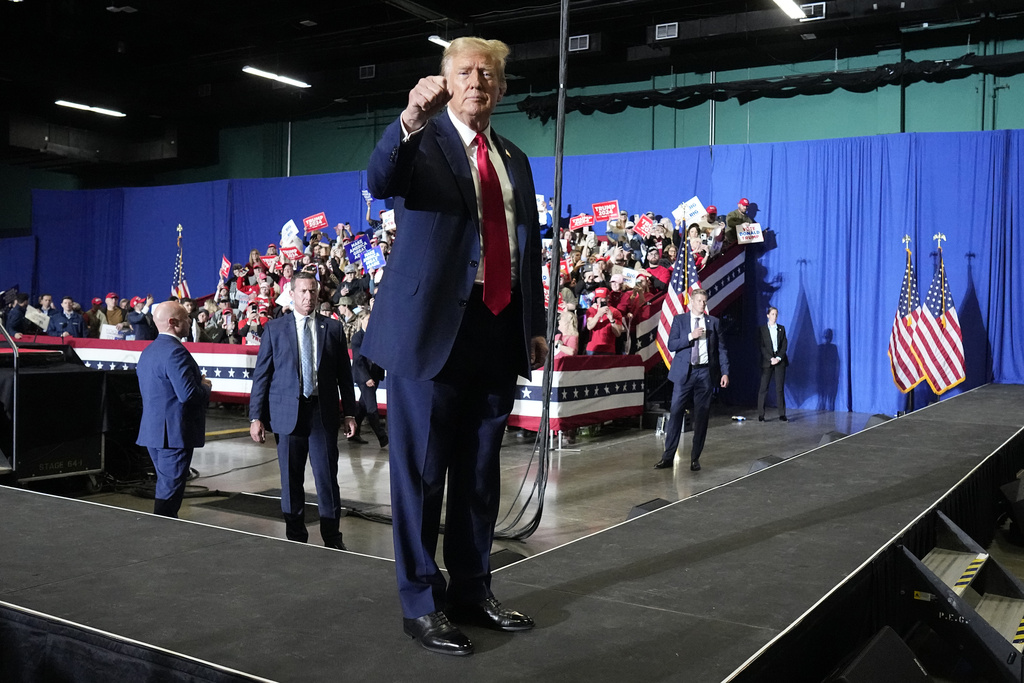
773,362
302,373
699,363
174,399
459,314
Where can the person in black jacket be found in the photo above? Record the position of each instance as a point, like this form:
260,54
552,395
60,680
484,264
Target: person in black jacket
367,376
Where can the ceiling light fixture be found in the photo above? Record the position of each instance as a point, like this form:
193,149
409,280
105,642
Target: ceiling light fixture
791,9
86,107
274,77
438,40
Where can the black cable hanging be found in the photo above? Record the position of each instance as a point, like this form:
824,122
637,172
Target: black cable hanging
541,458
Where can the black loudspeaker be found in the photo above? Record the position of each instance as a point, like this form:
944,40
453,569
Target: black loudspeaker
1014,494
649,506
885,658
764,462
877,419
505,557
831,436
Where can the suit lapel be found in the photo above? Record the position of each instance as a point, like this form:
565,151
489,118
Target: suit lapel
455,153
321,336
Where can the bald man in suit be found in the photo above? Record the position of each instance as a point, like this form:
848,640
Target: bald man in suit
175,395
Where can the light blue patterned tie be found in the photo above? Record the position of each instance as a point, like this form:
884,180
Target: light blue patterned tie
306,353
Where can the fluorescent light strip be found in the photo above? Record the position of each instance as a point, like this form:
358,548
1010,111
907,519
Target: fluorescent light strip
791,9
94,110
438,40
274,77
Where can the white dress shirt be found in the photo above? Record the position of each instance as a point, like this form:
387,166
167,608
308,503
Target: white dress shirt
702,343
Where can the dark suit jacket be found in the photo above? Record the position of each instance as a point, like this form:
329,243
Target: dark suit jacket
679,342
276,384
174,399
363,368
431,269
766,346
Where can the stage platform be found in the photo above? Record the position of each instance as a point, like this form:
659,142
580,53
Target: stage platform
692,591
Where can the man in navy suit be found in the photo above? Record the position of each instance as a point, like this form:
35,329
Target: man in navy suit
773,362
700,361
459,314
302,373
174,399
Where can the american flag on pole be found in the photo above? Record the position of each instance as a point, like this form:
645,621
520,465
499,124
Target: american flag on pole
722,279
906,371
179,287
938,341
677,300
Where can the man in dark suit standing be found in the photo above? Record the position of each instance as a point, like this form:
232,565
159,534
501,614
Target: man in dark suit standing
459,314
773,362
174,399
700,361
302,373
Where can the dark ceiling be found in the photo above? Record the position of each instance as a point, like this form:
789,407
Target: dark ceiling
175,65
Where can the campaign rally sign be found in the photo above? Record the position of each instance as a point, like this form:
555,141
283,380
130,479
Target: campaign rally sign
367,197
269,261
293,253
693,211
225,267
315,222
388,218
357,247
748,233
582,221
606,210
643,226
373,259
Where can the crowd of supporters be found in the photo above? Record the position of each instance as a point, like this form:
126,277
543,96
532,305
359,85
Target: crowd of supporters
608,284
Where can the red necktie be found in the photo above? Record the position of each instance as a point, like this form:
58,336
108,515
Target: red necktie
497,261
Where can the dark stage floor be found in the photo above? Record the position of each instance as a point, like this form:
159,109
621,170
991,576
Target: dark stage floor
688,592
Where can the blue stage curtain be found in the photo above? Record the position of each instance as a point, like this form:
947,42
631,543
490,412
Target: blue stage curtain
261,207
835,212
81,237
17,263
149,249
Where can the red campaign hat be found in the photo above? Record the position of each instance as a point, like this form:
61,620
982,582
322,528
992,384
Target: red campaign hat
271,245
601,293
744,202
111,295
97,301
134,301
712,209
643,275
227,309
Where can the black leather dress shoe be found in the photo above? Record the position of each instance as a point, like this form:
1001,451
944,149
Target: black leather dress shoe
760,418
491,614
336,544
437,634
357,439
663,465
783,418
694,465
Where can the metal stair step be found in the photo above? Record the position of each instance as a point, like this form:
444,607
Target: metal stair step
1005,615
954,568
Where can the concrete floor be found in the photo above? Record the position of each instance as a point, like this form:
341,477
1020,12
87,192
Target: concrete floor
592,484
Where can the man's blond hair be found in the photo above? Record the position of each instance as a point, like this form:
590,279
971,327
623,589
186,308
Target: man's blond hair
495,51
